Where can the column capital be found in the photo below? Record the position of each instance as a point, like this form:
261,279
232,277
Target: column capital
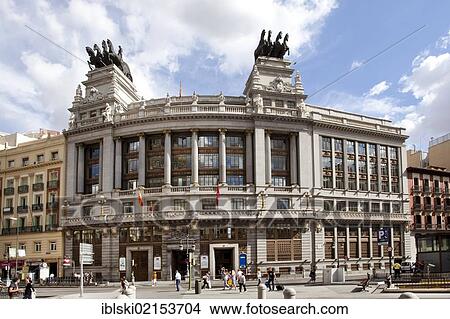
141,135
80,144
293,133
268,132
249,131
117,138
167,131
222,130
194,130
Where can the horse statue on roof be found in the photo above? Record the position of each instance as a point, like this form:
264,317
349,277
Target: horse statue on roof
116,58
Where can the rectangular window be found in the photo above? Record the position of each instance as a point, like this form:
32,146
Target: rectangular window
155,162
364,207
374,185
235,179
181,161
351,165
279,162
132,165
339,183
338,164
372,150
328,205
341,205
326,144
234,141
338,146
208,204
238,203
182,142
53,246
133,146
38,178
350,147
54,156
353,206
208,141
352,184
327,182
393,153
94,171
396,208
386,207
208,180
279,103
208,160
384,169
37,246
23,181
235,161
326,163
184,180
132,184
179,204
279,143
10,183
25,161
383,151
279,181
283,203
11,164
361,148
375,207
54,175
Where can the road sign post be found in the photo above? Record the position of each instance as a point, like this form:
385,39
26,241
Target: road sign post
86,258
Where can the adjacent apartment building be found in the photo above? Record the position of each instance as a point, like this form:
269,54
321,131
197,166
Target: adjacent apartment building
32,181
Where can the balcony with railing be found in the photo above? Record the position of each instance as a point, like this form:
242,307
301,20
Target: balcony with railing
8,191
53,205
52,227
447,208
8,210
417,207
31,229
415,189
37,207
437,191
22,209
428,207
38,187
426,189
54,184
22,189
446,191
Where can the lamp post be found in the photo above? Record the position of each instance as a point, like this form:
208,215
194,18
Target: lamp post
189,246
17,243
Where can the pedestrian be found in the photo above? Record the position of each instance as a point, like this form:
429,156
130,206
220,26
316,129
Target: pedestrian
29,292
259,276
177,280
234,279
271,278
397,268
206,281
13,289
241,281
124,284
312,274
225,279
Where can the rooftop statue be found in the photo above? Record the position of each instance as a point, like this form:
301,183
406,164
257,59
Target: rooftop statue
269,49
100,58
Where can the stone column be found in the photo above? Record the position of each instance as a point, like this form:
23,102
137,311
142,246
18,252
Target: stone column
268,159
194,173
107,163
370,241
357,164
293,158
71,166
167,158
141,161
359,242
347,241
248,157
336,243
222,157
333,167
118,165
80,169
258,163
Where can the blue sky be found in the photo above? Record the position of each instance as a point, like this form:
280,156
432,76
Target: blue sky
208,45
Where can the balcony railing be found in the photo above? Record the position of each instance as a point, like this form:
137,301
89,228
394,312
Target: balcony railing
51,227
426,189
37,187
8,210
417,207
415,188
8,191
428,206
52,205
447,208
436,190
31,229
53,184
37,207
23,189
22,209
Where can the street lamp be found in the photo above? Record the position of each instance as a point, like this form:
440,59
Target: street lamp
189,246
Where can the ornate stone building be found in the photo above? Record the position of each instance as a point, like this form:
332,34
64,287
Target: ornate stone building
289,184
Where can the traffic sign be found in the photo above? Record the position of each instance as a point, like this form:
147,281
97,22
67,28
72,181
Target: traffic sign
242,260
86,254
67,262
383,236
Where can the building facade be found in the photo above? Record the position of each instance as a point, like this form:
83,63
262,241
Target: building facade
430,215
288,184
32,181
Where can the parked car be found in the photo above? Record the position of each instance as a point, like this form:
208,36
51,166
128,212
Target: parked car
406,266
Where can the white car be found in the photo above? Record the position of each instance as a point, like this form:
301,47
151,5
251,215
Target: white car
406,266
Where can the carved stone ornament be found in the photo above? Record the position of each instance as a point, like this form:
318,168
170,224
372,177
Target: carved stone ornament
108,113
221,98
194,98
93,95
72,120
258,103
278,85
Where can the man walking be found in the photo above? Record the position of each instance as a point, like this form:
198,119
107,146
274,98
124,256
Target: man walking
177,280
271,276
241,281
397,268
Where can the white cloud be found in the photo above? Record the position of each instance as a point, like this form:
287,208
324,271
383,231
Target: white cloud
356,64
154,36
444,41
379,88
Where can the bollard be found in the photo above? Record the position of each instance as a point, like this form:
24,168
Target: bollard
198,288
289,293
262,291
408,295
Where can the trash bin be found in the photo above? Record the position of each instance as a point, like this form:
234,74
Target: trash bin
198,288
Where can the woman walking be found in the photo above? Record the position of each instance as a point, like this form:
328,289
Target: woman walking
29,289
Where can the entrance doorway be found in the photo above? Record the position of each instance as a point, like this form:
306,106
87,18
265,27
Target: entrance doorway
223,258
140,267
180,263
